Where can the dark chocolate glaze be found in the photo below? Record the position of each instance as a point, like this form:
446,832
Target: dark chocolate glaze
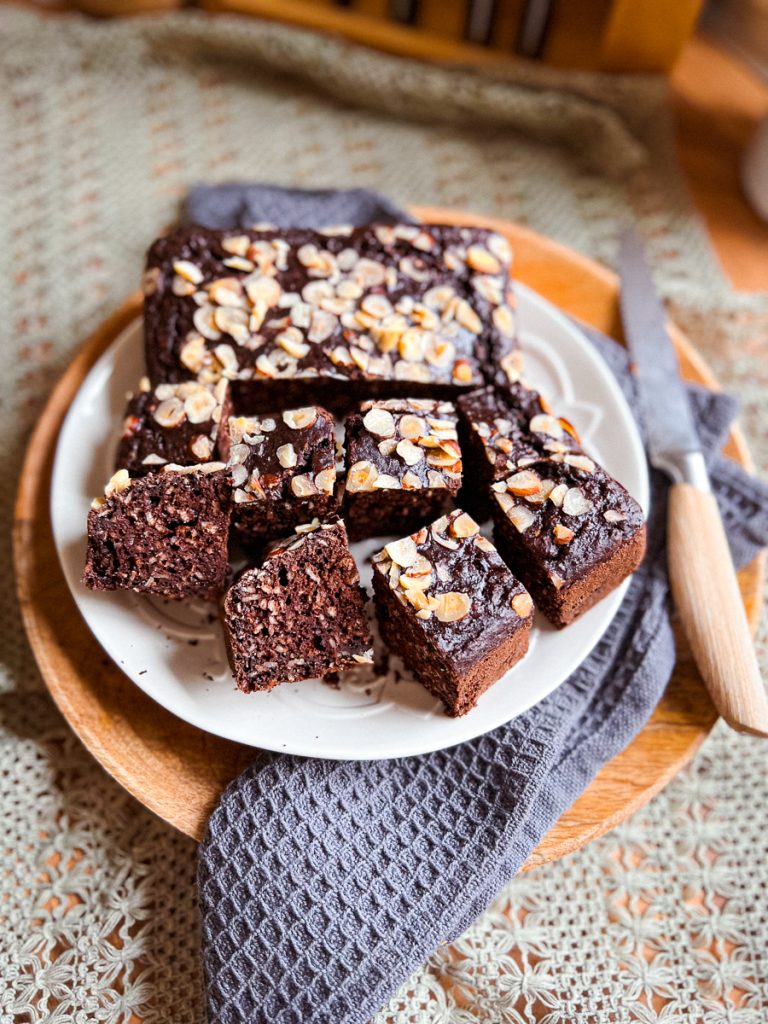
594,538
144,438
475,570
169,317
501,422
275,509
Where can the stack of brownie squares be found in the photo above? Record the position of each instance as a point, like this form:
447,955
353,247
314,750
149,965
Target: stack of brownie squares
255,342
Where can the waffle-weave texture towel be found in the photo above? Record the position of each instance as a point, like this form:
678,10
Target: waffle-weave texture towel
324,885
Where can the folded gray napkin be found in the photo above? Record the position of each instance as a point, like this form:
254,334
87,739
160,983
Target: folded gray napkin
325,884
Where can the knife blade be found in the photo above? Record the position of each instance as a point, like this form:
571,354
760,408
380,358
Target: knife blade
673,442
701,572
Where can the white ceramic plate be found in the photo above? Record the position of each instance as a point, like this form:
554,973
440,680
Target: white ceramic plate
175,651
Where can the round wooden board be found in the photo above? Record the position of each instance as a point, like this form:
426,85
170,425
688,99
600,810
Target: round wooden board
178,771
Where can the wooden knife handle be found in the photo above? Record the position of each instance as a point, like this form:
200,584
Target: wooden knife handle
709,604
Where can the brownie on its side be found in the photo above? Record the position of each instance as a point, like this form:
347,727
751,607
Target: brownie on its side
299,316
301,614
283,470
403,465
569,531
450,607
502,430
176,424
164,533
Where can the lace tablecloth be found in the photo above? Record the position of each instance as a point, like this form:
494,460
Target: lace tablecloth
104,126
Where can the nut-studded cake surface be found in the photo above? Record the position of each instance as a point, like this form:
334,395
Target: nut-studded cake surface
399,309
283,469
569,530
403,464
174,424
450,606
299,615
515,426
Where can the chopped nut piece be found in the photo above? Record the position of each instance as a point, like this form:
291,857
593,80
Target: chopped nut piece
286,456
546,424
410,453
523,605
201,447
575,503
361,476
188,271
403,552
483,543
580,462
521,517
299,419
562,534
463,526
557,494
523,483
120,481
380,422
452,606
412,427
613,516
199,406
302,486
325,480
482,261
169,413
386,480
411,482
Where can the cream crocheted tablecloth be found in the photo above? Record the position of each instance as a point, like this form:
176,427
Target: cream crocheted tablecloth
103,128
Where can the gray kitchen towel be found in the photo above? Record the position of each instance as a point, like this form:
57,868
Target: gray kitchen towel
324,884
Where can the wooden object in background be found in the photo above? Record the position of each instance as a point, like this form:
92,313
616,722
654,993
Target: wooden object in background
632,35
708,603
179,771
646,35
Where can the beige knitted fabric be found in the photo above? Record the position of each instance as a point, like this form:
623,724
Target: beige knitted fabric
103,128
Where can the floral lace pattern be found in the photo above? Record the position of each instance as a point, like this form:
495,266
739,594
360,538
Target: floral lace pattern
104,126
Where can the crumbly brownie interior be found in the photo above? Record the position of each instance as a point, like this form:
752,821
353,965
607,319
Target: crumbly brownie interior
165,533
300,615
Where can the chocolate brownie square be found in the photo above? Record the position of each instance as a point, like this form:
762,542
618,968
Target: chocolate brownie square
301,614
294,317
502,430
163,533
451,609
283,470
177,424
403,465
569,531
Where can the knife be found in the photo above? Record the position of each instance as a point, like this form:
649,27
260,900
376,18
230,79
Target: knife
701,572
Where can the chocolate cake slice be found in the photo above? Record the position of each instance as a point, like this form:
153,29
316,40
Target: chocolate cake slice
294,317
176,424
301,614
403,465
502,430
451,609
164,533
569,531
283,471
